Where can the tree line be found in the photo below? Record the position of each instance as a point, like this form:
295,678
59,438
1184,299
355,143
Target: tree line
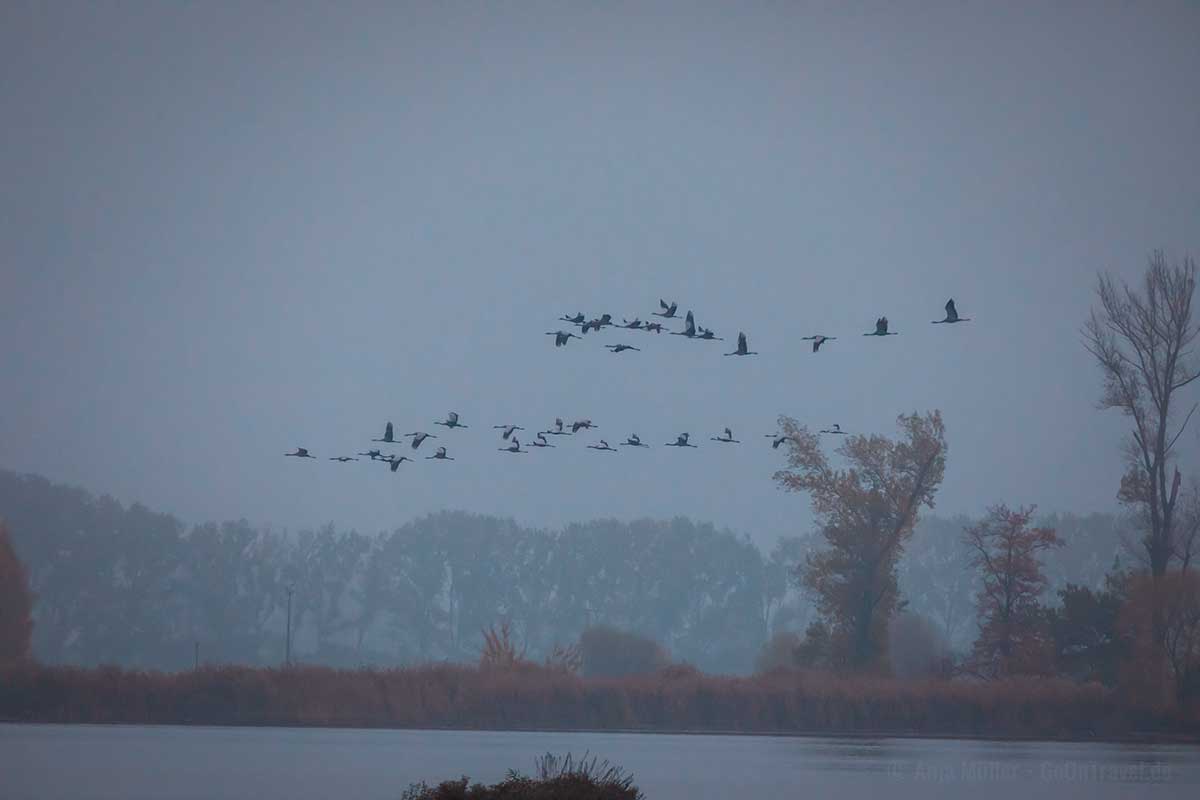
126,585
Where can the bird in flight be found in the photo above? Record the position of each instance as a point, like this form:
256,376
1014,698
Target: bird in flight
653,327
621,348
508,430
742,348
708,335
951,314
513,447
562,337
575,320
452,421
541,441
634,441
777,439
394,463
689,327
420,436
602,446
680,441
342,459
581,425
636,325
440,455
602,321
818,340
881,328
387,435
835,429
374,454
558,428
668,311
727,438
301,452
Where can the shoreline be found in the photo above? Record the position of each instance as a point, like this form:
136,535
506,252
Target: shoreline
1143,738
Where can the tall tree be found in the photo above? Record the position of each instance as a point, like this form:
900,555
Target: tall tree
1142,340
1012,638
866,512
16,604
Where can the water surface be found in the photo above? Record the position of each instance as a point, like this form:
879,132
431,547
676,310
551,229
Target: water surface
47,762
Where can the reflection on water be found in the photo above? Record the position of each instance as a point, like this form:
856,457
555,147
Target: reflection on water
177,763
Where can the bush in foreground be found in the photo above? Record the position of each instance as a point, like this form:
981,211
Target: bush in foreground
558,778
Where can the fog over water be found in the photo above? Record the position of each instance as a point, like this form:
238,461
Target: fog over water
229,230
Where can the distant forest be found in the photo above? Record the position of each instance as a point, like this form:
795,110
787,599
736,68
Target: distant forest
118,584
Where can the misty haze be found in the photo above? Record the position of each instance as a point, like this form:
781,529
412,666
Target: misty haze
396,392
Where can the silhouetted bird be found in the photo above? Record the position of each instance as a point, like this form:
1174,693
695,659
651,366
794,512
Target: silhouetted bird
742,349
835,428
621,348
680,441
602,446
634,441
602,321
818,341
708,335
951,314
727,438
777,439
576,320
581,425
452,421
394,463
508,430
301,452
668,311
653,327
562,337
636,325
374,454
541,441
440,455
513,447
387,435
881,328
420,436
689,327
342,459
558,428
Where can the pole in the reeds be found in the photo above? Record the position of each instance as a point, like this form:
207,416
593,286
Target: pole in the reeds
287,653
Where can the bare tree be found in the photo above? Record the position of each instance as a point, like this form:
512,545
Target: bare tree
1142,341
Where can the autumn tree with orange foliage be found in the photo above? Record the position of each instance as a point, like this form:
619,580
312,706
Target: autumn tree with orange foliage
1013,635
16,605
866,512
1168,659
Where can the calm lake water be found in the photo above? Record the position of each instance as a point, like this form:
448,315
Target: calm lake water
172,763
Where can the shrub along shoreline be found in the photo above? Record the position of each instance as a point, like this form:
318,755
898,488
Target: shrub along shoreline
674,700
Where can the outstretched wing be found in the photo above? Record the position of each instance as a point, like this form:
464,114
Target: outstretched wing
742,342
452,418
951,311
387,432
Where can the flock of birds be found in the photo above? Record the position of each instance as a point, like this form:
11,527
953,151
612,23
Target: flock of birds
508,432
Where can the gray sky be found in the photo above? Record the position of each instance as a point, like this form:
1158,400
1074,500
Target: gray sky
230,229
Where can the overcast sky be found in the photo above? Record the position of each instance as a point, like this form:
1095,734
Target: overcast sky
230,229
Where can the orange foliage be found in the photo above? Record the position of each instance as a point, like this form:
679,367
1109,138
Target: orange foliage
1014,638
867,512
1161,621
